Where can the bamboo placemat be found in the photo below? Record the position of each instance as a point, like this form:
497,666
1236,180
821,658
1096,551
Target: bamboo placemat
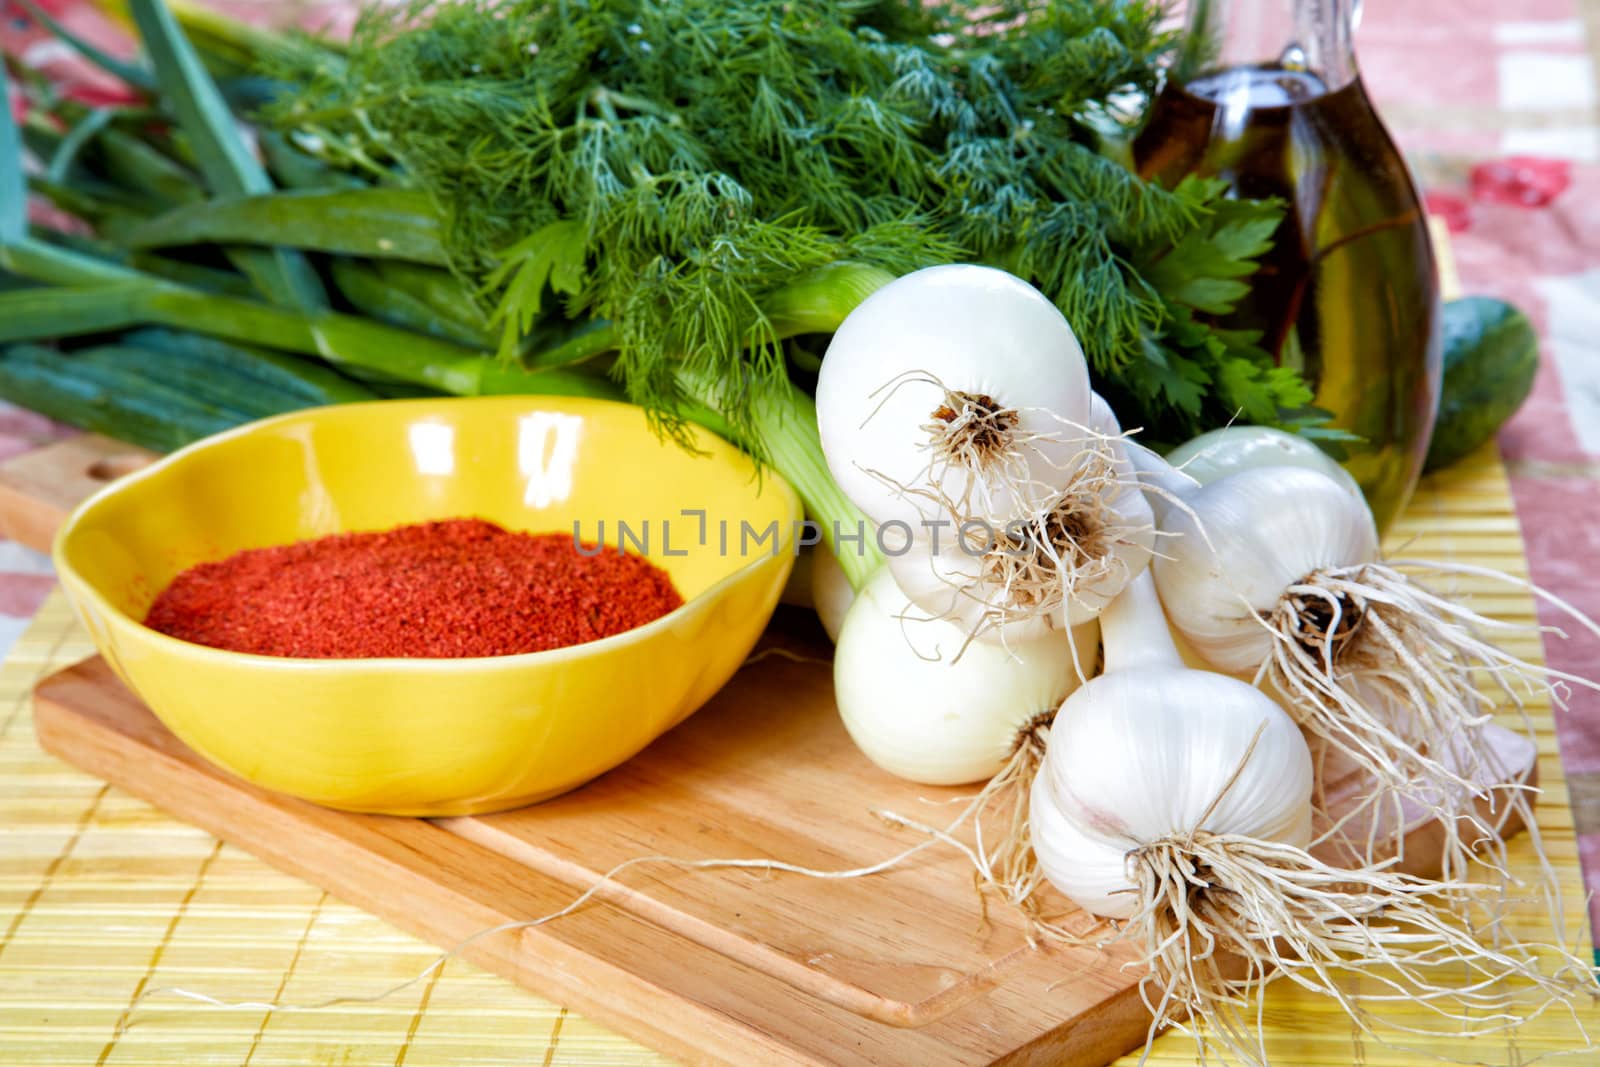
102,898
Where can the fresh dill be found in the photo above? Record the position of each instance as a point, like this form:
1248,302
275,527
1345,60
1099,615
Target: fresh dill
669,166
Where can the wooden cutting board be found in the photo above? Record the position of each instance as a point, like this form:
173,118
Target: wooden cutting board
712,966
39,489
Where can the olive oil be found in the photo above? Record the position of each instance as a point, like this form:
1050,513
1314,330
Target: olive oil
1349,294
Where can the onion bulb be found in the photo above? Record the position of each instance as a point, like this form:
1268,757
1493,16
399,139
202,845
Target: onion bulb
922,713
1056,567
957,392
831,592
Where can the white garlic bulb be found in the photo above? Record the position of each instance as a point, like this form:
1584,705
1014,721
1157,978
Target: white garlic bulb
1274,574
1242,544
1180,802
1219,453
1149,751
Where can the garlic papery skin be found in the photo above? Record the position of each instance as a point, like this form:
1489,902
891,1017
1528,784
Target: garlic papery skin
1274,574
1201,786
956,391
924,704
1150,750
1239,545
1219,453
1055,568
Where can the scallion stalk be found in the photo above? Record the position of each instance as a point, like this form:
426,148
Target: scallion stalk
791,443
95,295
92,293
783,428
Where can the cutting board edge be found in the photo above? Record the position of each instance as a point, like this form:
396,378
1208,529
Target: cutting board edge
40,488
490,952
693,1032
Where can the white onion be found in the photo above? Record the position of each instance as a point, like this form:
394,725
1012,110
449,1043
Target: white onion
923,356
924,704
831,592
1015,590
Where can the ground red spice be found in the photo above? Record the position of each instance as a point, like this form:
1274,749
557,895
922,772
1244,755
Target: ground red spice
461,587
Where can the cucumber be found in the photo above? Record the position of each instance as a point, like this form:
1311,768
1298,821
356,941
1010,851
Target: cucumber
108,401
289,381
131,369
1491,355
163,388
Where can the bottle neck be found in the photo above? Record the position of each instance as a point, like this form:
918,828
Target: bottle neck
1310,36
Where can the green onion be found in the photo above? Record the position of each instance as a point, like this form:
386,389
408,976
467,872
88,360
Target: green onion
91,295
283,275
13,185
132,73
373,222
376,297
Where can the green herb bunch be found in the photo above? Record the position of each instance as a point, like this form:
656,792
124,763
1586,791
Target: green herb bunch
682,175
680,199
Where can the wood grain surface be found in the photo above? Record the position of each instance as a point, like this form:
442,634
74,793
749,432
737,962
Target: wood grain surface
39,489
709,965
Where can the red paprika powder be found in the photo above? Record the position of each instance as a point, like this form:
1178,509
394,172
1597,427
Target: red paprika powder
461,587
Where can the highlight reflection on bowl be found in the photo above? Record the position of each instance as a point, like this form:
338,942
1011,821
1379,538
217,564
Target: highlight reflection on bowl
434,737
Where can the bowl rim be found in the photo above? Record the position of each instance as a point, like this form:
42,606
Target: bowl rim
77,584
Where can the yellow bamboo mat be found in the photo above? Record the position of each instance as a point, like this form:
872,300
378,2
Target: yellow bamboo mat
102,898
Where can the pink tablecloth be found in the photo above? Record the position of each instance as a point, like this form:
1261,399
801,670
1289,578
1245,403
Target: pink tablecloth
1496,107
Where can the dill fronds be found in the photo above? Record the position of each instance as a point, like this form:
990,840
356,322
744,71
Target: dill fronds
668,166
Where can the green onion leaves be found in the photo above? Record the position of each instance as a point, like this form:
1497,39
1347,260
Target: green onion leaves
13,184
220,151
378,223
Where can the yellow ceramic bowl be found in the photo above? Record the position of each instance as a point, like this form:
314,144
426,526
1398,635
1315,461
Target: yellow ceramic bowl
434,736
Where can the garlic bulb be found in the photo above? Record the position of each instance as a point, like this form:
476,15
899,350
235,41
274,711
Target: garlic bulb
1179,802
1219,453
924,704
954,392
1274,573
1056,567
1152,750
1241,547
